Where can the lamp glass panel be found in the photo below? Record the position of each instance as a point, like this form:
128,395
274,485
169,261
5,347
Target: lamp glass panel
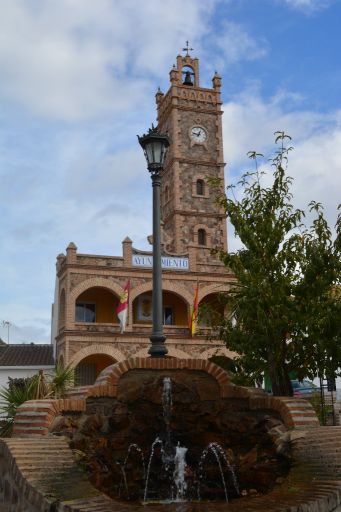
149,152
157,151
163,156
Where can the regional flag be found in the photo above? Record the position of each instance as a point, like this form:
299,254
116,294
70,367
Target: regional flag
122,308
195,310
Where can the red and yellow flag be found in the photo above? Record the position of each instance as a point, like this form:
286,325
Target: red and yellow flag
195,310
122,308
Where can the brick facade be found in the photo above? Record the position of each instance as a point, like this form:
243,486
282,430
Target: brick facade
185,213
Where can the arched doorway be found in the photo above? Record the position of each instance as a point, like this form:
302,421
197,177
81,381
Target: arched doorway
89,368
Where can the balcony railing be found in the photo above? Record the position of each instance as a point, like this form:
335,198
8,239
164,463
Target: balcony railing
142,329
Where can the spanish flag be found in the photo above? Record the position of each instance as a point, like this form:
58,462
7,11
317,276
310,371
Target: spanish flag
122,308
195,310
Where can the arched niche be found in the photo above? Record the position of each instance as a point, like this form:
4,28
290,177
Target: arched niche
175,309
212,310
89,368
96,305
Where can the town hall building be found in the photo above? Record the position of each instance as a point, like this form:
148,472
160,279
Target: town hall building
85,328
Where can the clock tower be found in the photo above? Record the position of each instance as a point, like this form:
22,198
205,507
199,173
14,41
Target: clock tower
192,116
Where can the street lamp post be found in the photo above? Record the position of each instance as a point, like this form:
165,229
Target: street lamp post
154,145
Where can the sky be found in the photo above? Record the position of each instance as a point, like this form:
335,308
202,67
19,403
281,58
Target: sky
77,84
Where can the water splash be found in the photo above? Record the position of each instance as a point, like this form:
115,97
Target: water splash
228,466
179,473
211,448
123,467
220,456
124,479
167,408
136,448
155,443
180,480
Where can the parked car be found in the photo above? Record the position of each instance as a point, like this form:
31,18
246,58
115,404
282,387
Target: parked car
304,388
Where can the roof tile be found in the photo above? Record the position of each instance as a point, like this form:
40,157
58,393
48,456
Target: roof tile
26,355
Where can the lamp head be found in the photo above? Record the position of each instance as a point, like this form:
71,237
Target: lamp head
154,145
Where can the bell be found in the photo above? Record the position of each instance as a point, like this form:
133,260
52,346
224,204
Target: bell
188,79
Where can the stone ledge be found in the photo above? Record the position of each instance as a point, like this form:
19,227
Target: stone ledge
36,416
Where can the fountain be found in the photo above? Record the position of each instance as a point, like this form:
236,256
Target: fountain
171,438
173,461
169,435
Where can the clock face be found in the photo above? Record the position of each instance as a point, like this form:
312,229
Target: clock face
198,134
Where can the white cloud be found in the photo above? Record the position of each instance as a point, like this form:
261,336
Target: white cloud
75,59
99,62
234,43
26,325
308,6
249,124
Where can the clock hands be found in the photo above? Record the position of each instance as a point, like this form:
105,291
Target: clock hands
198,134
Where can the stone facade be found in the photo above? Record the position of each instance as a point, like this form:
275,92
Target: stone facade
192,224
184,211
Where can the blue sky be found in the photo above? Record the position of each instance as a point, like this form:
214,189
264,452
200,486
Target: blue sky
77,83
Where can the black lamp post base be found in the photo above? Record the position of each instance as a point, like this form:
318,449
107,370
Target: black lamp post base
158,348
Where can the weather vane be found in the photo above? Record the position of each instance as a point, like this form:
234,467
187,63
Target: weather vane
187,49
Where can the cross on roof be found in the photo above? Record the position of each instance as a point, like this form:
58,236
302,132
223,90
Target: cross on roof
187,49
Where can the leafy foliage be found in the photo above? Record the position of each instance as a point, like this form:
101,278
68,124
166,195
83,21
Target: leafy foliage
62,380
285,305
37,387
10,399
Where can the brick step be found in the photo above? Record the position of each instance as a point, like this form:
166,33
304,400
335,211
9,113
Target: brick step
316,454
77,390
41,449
96,505
34,466
55,478
325,437
58,458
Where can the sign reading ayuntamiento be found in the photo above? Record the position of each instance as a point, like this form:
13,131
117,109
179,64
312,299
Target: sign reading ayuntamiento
170,262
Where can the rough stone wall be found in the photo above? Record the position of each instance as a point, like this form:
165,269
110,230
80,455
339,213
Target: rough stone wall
104,432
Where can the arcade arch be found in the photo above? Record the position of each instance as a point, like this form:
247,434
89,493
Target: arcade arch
96,304
90,361
175,309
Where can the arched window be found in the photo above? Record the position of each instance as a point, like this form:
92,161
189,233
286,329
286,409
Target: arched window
200,187
62,310
201,237
187,75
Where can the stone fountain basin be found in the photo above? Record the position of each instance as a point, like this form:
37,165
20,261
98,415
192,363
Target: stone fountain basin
38,468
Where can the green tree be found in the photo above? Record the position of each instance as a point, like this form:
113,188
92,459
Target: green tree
284,308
